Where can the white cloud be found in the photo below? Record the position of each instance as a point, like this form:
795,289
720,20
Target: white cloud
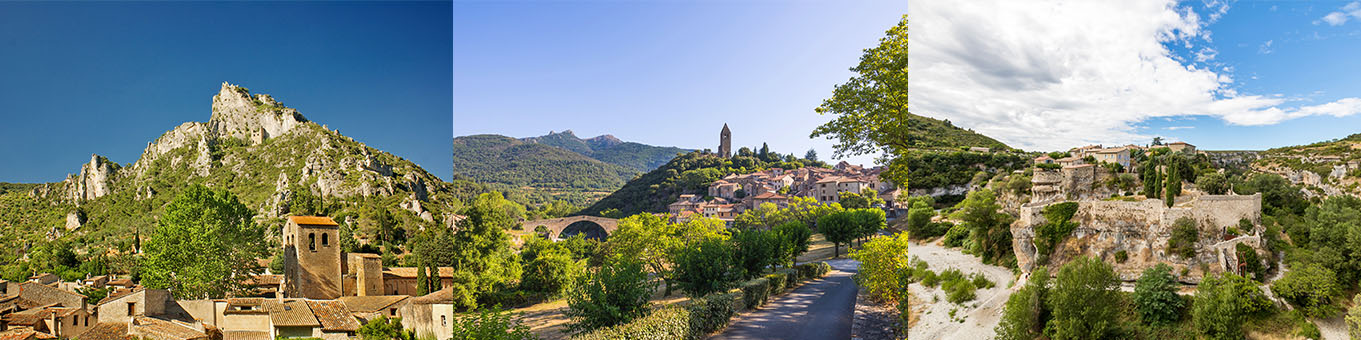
1175,128
1048,75
1265,48
1335,18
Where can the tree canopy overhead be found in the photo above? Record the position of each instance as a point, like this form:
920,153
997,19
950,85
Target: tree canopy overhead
203,246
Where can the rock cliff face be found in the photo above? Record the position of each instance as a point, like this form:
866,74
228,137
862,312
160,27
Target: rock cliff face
1141,229
1071,183
93,181
239,115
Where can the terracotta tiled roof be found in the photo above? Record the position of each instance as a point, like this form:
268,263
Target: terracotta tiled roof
410,272
166,330
43,294
769,195
120,282
107,331
312,220
365,304
443,296
290,313
23,319
333,316
24,334
245,335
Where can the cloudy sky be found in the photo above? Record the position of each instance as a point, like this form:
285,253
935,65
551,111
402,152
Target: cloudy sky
1049,75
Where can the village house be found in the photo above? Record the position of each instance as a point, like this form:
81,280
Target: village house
1113,155
1182,147
430,315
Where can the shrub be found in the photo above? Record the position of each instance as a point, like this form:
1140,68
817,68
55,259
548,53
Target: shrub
672,322
755,293
1311,287
711,313
1085,300
919,220
1184,238
1121,256
1250,261
777,283
383,328
1212,183
1155,296
981,281
490,324
959,291
882,261
615,294
549,273
1353,318
930,279
956,236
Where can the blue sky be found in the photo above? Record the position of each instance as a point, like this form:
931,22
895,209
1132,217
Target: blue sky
667,73
107,78
1052,74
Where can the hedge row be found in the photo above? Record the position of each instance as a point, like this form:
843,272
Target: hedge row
711,313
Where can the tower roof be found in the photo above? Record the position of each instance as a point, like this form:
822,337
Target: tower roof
725,127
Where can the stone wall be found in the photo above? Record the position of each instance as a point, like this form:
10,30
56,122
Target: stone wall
1141,229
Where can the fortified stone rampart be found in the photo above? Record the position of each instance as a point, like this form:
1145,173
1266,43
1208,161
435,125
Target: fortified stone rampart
1141,229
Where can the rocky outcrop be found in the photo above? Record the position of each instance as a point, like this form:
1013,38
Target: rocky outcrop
1141,229
1079,182
958,189
94,180
237,114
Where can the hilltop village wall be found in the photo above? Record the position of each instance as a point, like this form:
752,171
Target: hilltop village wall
1076,182
1141,229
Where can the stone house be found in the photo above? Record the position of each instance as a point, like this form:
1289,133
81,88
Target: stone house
1044,160
367,308
1113,155
724,189
769,197
430,315
1068,161
402,280
1182,147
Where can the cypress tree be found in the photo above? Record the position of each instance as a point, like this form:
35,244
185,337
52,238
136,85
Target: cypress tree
434,278
1173,183
422,280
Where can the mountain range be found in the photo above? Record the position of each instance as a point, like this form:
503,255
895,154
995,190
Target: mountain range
556,166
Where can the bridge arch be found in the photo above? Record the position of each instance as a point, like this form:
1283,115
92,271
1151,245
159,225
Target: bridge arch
592,227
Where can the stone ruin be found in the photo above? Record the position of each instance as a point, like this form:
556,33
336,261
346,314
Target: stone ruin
1141,228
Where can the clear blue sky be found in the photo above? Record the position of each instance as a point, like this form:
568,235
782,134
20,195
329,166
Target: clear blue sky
667,73
107,78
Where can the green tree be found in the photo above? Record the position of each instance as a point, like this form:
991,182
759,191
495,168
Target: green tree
1222,302
918,217
811,155
764,216
872,107
988,227
491,324
853,200
794,238
868,221
383,328
422,279
1185,234
481,246
203,246
615,294
1025,314
1311,287
1085,300
1353,318
649,239
754,250
838,228
550,272
1155,296
1173,184
706,267
1213,183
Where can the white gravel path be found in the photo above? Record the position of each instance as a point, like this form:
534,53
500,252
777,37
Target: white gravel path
980,315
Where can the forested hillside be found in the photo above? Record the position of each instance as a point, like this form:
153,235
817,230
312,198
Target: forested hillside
688,173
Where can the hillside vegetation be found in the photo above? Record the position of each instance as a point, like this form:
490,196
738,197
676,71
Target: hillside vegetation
556,166
688,173
100,213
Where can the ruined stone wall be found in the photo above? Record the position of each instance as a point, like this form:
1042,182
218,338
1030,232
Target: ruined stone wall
1141,229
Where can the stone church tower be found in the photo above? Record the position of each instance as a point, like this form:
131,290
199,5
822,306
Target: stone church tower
725,142
312,258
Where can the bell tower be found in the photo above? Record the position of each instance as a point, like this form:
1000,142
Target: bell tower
725,142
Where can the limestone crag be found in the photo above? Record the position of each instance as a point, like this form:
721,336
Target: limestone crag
93,181
236,114
1078,182
1141,229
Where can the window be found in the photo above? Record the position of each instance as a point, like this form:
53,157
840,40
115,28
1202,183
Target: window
75,321
324,241
443,321
392,311
312,242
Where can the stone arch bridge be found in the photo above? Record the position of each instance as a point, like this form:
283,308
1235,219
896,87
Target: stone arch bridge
598,228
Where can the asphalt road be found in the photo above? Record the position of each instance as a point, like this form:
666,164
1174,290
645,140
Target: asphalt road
819,309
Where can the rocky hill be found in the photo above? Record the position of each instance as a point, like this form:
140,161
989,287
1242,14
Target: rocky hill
928,133
556,166
252,145
1325,168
